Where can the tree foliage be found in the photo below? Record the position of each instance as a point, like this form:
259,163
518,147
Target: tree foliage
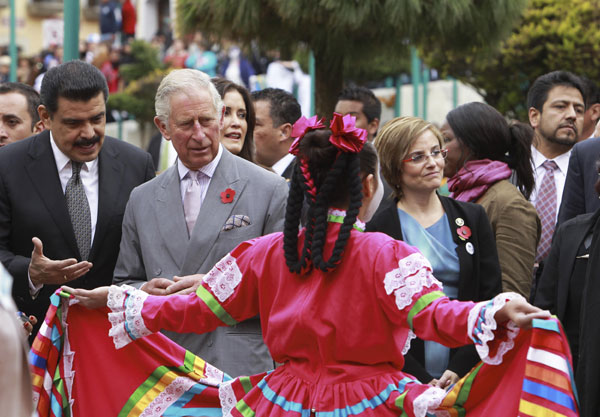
143,76
351,33
552,35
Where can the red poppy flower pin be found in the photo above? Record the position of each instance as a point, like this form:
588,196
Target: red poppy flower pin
227,196
464,232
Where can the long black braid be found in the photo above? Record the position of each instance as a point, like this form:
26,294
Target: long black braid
341,182
353,208
292,221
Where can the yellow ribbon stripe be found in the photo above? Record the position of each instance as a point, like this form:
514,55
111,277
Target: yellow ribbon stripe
537,410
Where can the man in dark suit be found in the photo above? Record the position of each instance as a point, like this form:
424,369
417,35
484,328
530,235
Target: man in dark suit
179,225
63,191
579,195
276,112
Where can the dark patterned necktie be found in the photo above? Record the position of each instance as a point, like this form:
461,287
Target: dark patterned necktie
79,210
545,204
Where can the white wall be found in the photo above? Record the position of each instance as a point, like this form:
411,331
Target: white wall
439,100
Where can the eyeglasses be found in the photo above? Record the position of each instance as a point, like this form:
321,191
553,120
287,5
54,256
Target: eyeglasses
422,157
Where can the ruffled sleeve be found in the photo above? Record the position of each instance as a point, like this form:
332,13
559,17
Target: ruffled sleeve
492,340
125,316
226,296
413,298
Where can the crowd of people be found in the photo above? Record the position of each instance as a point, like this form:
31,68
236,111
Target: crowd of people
252,231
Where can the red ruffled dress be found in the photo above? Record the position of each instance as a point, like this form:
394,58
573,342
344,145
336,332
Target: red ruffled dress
340,335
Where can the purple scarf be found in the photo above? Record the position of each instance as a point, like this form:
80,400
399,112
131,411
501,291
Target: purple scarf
475,177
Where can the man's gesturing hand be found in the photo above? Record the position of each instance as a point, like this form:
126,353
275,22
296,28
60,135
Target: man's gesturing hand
43,270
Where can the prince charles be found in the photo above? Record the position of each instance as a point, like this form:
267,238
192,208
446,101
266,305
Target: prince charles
180,224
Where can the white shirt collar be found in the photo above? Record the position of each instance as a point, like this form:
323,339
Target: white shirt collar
561,160
208,169
283,163
62,160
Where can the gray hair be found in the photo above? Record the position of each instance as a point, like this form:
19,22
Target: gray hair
182,81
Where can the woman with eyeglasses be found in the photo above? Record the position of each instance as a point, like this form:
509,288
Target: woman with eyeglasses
483,152
454,236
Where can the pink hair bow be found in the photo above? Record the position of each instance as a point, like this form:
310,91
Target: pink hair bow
300,128
345,135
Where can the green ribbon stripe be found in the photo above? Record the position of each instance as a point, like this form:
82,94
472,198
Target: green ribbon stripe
244,410
421,303
400,403
214,306
246,384
154,378
465,390
340,219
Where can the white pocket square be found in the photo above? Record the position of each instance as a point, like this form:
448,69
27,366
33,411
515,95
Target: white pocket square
237,220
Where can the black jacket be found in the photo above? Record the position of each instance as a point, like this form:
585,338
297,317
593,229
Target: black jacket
588,369
479,279
579,195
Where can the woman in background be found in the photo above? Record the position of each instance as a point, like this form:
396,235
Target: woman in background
483,150
239,119
456,237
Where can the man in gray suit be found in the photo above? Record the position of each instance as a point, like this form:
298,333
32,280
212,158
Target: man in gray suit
179,225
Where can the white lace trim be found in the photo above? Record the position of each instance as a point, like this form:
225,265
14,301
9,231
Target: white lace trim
227,397
428,401
411,335
412,275
213,376
166,398
224,277
489,325
126,321
68,354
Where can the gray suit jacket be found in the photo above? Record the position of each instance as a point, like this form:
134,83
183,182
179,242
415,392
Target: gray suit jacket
155,243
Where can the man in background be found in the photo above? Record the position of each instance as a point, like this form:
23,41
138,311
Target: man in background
276,112
19,118
361,103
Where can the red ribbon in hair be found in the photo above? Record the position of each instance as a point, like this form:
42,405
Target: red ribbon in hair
345,135
300,128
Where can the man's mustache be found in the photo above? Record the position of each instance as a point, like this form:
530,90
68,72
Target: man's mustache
87,142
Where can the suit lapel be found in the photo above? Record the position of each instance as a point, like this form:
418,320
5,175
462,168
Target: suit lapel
110,169
170,216
214,213
466,291
567,260
42,171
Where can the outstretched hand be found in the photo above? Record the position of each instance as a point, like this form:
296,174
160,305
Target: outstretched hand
96,298
43,270
521,313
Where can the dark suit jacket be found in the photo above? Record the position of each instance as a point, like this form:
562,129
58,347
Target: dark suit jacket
579,195
154,149
553,286
588,369
480,277
32,203
287,173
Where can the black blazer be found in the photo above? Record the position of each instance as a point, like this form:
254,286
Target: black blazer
32,203
479,278
289,170
588,369
553,286
579,195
